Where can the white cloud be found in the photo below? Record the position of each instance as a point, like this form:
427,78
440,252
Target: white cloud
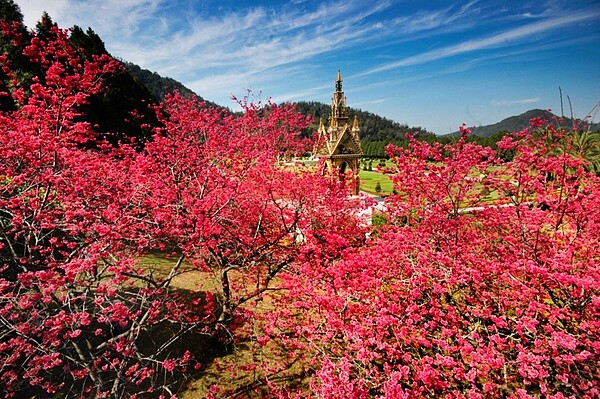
220,54
370,102
282,48
32,9
507,38
508,103
122,16
448,19
217,52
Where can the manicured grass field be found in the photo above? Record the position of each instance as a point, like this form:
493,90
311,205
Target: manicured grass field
369,179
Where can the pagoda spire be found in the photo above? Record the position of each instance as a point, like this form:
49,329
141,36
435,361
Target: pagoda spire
339,114
340,142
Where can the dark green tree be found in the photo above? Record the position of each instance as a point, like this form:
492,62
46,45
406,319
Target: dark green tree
378,188
10,13
44,26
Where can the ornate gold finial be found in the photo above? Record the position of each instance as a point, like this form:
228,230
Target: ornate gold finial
355,123
321,126
338,82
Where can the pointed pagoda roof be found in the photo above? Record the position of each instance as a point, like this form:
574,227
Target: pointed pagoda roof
341,138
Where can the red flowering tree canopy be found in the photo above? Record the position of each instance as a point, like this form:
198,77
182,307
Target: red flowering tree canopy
485,282
78,314
482,282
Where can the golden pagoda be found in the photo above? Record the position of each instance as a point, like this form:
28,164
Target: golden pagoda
340,146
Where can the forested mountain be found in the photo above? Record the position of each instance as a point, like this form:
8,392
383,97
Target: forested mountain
135,89
111,112
522,121
159,85
372,126
375,131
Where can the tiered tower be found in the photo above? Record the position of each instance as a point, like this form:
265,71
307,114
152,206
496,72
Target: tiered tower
340,142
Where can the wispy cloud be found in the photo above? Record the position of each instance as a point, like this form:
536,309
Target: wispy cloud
309,92
237,49
290,49
508,103
118,16
451,17
508,38
371,102
215,52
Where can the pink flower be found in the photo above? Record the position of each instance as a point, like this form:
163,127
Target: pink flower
169,364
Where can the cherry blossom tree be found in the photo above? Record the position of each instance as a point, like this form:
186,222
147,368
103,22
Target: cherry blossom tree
483,284
79,315
69,316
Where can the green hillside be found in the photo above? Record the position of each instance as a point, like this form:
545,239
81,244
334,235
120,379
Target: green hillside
522,121
135,89
375,131
159,85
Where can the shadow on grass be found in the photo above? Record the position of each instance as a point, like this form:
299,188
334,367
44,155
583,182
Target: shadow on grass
200,339
247,372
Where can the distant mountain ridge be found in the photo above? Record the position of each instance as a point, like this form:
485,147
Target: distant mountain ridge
522,121
136,88
373,127
159,85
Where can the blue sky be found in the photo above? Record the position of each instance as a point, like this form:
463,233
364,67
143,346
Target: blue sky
434,64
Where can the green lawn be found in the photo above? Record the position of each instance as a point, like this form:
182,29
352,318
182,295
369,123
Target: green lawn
368,181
